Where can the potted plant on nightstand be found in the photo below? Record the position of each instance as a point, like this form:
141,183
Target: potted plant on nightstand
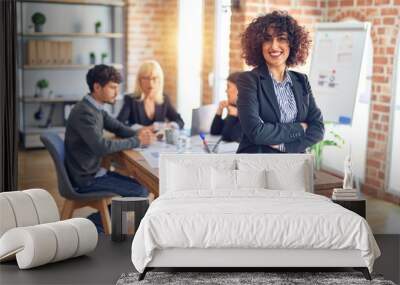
318,148
97,27
38,20
42,86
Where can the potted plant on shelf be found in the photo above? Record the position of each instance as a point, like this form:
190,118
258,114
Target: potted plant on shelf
317,149
104,55
92,57
97,27
42,87
38,20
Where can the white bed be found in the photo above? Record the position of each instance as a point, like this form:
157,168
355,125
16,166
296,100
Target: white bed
218,215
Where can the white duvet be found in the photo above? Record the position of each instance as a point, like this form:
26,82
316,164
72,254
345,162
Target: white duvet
250,219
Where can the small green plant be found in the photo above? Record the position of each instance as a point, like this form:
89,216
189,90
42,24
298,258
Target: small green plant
97,26
92,57
104,55
38,18
42,84
318,148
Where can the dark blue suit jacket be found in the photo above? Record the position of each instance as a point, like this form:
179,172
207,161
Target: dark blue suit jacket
259,114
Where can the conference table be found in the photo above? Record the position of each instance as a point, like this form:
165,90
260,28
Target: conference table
136,163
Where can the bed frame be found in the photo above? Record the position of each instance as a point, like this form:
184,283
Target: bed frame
256,258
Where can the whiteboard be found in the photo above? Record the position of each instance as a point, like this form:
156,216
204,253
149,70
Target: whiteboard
394,150
335,68
348,101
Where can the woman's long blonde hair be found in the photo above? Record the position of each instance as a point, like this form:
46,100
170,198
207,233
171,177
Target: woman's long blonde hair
147,68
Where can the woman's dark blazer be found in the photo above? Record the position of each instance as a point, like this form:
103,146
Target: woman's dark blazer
133,112
259,114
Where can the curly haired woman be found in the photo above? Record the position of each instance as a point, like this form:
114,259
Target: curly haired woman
276,107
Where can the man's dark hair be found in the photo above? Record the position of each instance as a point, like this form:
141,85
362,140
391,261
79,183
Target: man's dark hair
281,22
102,74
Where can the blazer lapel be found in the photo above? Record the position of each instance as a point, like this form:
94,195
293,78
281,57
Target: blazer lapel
298,95
268,89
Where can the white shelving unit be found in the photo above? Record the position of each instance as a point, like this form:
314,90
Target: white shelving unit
66,81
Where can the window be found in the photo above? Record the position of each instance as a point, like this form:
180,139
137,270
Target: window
189,57
221,57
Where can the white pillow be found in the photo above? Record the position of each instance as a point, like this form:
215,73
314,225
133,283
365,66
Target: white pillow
293,178
251,178
223,179
183,177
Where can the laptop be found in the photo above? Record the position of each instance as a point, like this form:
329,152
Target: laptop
202,118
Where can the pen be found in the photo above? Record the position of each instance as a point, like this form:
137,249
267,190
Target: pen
216,145
203,138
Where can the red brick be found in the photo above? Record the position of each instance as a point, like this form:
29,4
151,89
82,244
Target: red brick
307,3
314,12
389,21
390,11
385,99
373,182
385,118
376,22
380,108
380,60
371,144
373,163
379,79
334,3
378,69
381,137
390,50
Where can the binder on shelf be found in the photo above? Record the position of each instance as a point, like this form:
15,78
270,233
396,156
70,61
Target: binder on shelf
41,59
62,50
69,52
31,52
47,52
54,52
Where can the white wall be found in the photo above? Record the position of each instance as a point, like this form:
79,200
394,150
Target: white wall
190,57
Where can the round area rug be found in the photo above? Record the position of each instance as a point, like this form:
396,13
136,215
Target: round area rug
228,278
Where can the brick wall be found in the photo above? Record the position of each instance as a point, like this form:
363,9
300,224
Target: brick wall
385,18
208,49
151,33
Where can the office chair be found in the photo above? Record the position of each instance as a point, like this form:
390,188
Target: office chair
74,200
202,118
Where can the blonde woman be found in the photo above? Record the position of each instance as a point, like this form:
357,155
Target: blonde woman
148,104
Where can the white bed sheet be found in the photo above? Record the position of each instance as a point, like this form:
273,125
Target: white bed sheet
252,218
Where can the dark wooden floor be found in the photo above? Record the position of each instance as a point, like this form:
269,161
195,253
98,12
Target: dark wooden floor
110,259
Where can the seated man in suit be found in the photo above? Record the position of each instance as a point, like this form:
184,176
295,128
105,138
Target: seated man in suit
85,144
229,127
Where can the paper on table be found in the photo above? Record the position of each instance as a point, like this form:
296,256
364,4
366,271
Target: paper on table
228,147
152,153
